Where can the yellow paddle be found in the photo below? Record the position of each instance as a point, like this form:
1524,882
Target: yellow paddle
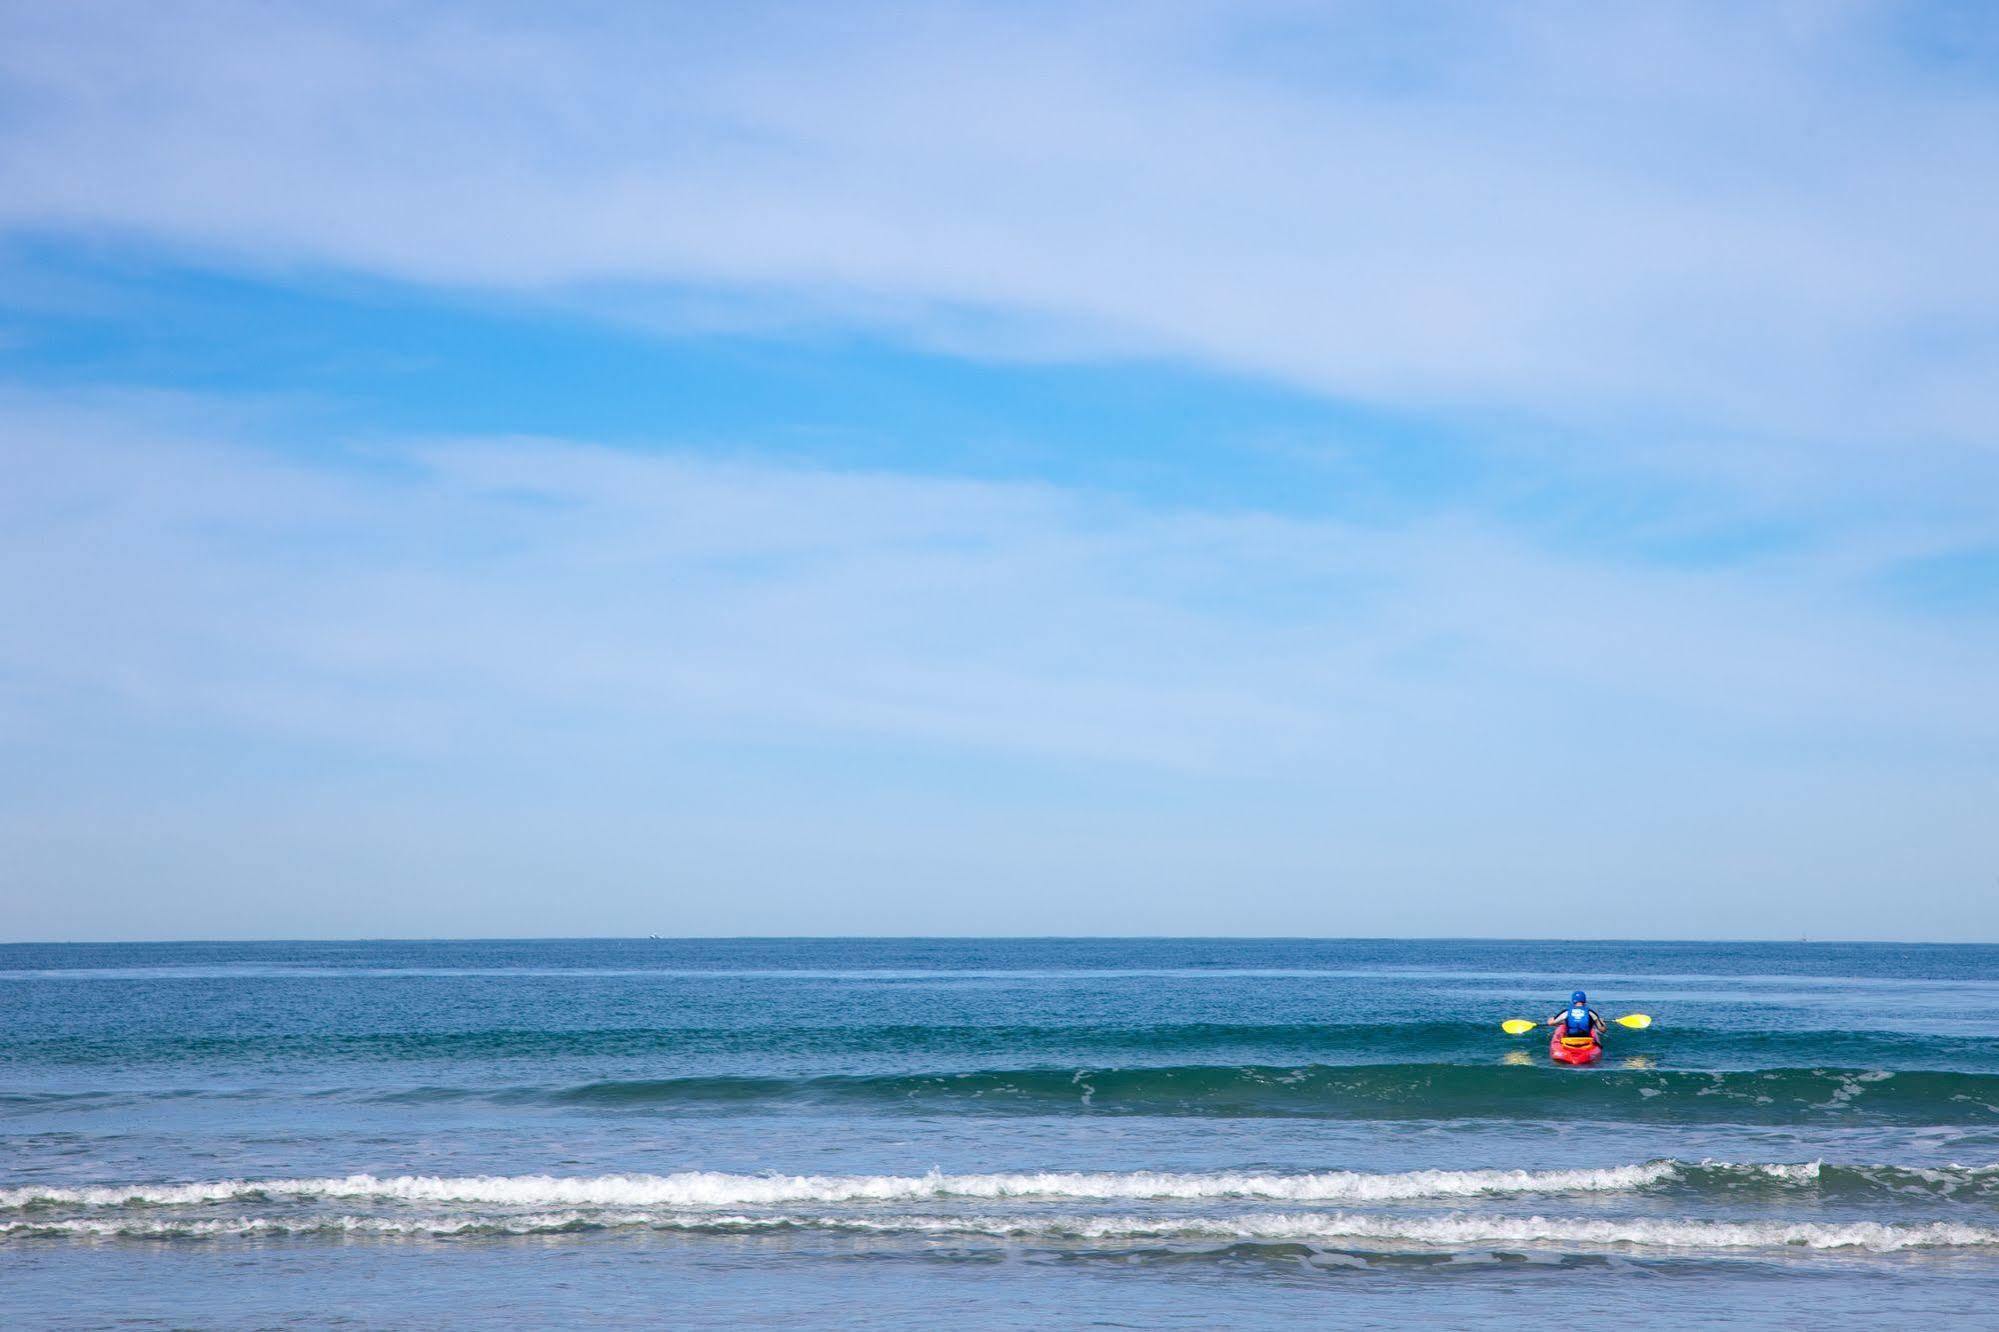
1521,1026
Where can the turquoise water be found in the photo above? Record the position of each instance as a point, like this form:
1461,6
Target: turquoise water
1007,1133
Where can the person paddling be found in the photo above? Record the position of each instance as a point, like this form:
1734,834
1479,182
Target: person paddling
1579,1019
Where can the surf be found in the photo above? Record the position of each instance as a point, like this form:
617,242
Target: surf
695,1189
1450,1231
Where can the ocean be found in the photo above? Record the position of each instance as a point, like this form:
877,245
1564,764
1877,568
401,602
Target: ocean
993,1133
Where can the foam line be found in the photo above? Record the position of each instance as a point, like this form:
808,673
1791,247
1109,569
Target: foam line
1452,1232
706,1188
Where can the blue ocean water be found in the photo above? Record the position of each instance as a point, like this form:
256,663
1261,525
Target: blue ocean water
995,1132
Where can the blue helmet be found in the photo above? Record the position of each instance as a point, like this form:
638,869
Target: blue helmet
1579,998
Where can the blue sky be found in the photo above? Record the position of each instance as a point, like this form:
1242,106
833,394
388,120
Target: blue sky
1247,469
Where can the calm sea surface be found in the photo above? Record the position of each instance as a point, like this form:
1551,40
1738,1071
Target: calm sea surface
994,1133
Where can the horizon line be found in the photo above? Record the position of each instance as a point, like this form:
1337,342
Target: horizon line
977,938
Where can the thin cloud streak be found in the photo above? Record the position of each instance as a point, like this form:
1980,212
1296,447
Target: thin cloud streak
488,577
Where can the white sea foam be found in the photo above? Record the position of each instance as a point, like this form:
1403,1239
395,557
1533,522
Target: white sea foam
1458,1231
1454,1231
1463,1230
712,1189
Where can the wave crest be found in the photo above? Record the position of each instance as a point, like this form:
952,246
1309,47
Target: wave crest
1452,1231
715,1189
1355,1091
702,1188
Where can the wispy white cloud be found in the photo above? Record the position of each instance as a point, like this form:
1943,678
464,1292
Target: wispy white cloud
1384,705
1020,617
1766,222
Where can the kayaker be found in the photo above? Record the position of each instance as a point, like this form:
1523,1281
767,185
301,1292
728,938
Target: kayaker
1579,1019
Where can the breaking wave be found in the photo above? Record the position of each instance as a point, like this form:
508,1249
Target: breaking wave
694,1189
714,1189
1450,1231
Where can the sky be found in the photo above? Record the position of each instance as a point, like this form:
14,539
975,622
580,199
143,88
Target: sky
1250,468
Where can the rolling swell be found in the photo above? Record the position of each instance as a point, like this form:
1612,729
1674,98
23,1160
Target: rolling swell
1382,1091
1364,1091
1191,1042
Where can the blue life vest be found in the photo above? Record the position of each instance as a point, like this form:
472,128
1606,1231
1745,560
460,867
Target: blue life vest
1576,1021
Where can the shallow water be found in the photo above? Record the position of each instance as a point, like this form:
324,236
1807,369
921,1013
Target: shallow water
1016,1133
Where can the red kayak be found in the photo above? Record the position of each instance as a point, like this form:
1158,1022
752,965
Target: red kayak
1574,1049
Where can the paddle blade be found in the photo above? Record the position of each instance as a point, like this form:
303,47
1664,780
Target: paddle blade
1521,1026
1636,1021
